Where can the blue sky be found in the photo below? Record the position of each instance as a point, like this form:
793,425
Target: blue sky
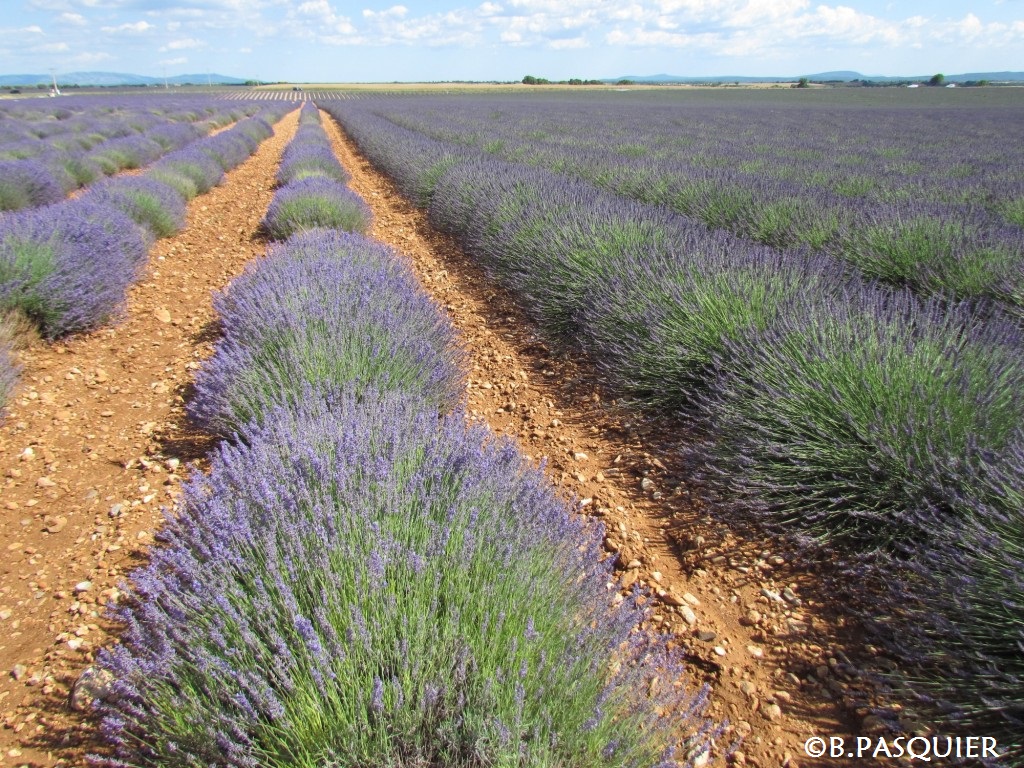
336,41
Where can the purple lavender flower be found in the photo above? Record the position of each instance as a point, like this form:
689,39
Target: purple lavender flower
191,162
266,500
149,202
325,310
315,202
27,183
67,266
310,154
824,403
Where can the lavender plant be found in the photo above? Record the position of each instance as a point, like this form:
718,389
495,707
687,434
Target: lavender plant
27,183
173,136
199,167
309,114
21,150
315,202
935,254
224,151
833,409
778,180
67,266
325,310
192,164
228,149
357,583
658,326
125,153
414,161
870,423
550,242
78,171
953,617
155,206
310,154
650,295
1013,210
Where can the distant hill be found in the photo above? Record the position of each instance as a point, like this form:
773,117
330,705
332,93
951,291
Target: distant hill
112,79
839,76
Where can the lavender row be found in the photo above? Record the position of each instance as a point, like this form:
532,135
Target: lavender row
67,266
313,192
357,581
877,427
869,148
325,311
101,140
788,181
310,154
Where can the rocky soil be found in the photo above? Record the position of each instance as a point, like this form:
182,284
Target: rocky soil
95,444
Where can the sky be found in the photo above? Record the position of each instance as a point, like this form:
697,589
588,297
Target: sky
443,40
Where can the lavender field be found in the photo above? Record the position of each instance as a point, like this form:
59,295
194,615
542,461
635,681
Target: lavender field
821,294
361,579
66,262
824,291
48,151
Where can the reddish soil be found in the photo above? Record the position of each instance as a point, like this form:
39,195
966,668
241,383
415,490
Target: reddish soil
95,444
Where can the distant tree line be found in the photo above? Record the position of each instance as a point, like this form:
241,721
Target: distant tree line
531,80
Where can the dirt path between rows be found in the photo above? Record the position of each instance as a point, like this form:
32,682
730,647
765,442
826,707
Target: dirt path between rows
755,627
94,444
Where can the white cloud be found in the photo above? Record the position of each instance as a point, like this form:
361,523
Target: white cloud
322,22
92,58
974,32
774,28
193,14
394,12
770,29
659,38
569,43
74,19
174,62
757,12
50,48
453,28
136,28
50,5
549,24
181,45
